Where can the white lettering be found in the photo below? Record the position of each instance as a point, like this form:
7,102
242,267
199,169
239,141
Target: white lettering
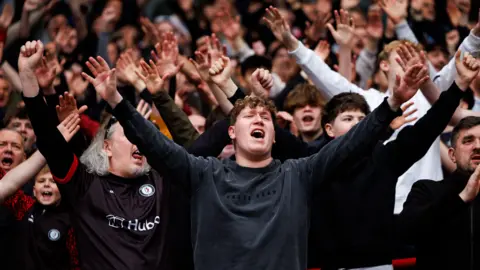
133,225
130,223
150,225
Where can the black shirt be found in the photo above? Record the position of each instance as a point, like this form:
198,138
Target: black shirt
46,240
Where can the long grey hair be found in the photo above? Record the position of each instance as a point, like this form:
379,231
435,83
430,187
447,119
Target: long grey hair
95,158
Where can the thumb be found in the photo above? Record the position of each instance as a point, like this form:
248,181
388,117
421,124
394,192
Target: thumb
330,28
82,109
457,56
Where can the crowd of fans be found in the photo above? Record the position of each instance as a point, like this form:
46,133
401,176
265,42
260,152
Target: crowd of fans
220,134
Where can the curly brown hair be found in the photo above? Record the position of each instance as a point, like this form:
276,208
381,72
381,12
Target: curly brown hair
251,102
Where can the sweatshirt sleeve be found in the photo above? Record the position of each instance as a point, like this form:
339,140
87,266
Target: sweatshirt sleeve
445,77
327,81
413,142
63,163
355,144
212,141
182,130
426,208
162,154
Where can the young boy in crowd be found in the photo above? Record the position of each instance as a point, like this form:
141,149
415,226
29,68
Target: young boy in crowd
305,104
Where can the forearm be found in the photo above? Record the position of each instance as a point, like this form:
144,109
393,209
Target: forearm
50,141
12,76
80,23
182,130
14,30
103,39
221,92
365,65
445,77
329,82
345,62
414,141
163,154
24,24
20,175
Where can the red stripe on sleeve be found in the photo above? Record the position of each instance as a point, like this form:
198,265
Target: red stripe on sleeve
19,204
70,173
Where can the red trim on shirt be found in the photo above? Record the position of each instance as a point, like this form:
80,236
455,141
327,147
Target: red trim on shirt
88,126
70,173
19,203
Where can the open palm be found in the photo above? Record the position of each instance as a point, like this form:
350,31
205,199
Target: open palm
405,88
277,24
345,31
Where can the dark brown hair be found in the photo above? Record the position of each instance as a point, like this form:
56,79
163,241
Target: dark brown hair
341,103
464,124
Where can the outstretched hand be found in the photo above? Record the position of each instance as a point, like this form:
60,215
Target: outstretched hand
345,32
104,80
405,118
202,64
45,74
467,69
395,9
405,88
69,126
67,105
152,79
280,28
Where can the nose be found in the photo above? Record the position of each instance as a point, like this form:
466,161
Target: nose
477,144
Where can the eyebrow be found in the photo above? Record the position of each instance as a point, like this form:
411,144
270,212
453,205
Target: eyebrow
468,137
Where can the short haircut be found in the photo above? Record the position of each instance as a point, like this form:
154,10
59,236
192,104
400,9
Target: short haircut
43,171
392,46
251,102
20,113
342,103
302,95
464,124
254,62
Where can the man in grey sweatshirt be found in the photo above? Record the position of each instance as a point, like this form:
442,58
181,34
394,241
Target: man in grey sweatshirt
251,213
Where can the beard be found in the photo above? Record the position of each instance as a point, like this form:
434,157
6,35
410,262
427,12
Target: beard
141,171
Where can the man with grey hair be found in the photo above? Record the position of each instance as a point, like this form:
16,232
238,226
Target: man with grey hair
120,208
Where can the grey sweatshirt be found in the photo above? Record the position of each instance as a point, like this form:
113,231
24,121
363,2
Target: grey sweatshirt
246,218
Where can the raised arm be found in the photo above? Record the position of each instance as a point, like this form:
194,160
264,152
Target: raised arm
62,161
20,175
183,133
329,82
414,141
362,138
162,154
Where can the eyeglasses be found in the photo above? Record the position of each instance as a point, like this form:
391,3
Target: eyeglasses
110,123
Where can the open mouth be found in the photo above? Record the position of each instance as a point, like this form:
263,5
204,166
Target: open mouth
307,119
47,194
257,134
7,161
476,158
137,155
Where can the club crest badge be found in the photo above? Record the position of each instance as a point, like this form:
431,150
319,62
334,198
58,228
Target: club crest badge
53,235
147,190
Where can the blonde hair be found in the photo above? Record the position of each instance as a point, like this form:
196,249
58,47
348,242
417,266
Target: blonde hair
392,46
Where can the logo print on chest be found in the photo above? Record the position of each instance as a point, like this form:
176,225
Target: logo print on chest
53,235
147,190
